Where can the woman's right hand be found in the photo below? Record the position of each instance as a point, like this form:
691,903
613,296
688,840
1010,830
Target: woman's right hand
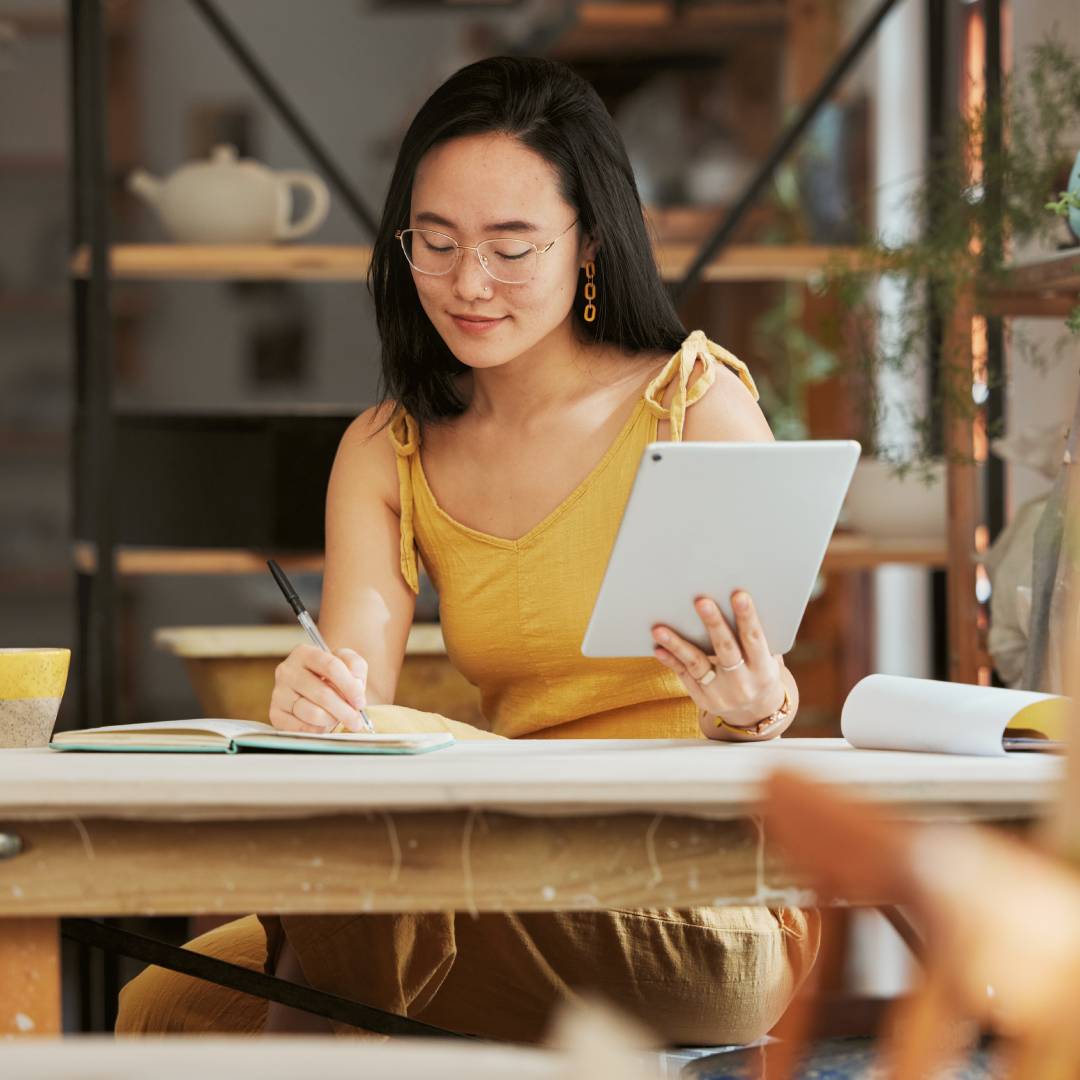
315,690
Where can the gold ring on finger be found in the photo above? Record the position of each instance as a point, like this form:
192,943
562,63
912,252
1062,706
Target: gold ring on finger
734,667
707,677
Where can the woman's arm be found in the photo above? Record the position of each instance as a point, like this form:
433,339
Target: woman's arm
366,603
728,413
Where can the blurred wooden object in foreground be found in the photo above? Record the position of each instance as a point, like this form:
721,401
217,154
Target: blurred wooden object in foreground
1001,922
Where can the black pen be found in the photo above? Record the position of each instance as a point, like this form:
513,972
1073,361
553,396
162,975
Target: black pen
308,623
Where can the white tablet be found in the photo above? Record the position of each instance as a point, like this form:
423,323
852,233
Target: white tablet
707,518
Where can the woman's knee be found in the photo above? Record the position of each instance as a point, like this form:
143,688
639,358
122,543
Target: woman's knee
159,1001
783,971
738,990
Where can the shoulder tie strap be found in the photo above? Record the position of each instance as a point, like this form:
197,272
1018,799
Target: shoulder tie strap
405,436
696,346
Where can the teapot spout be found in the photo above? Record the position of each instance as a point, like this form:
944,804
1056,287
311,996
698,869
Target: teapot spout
145,185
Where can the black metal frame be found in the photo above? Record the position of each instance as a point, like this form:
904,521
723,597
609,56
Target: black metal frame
721,237
995,335
99,935
942,22
92,440
288,115
93,437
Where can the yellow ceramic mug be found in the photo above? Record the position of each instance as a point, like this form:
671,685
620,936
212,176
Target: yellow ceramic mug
32,683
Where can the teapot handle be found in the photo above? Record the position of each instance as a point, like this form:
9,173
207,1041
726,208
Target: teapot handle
316,215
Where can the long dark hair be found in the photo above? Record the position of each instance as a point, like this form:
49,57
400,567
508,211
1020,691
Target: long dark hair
556,113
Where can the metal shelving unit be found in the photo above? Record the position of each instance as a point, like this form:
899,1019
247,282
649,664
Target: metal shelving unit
100,554
100,445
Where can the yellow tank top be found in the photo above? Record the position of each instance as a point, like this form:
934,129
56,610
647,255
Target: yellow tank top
514,612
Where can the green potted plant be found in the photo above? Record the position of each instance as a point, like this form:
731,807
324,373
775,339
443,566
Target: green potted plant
977,203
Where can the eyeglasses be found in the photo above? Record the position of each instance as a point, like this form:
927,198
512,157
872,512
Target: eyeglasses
510,261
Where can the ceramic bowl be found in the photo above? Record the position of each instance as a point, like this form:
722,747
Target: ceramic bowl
32,682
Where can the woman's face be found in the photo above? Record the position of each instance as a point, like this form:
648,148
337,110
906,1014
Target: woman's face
484,187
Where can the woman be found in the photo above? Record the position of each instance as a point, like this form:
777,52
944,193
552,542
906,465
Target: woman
527,346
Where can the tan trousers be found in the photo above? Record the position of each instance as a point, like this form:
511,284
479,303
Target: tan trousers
706,976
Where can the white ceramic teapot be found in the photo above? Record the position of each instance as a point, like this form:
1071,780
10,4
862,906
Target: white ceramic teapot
230,201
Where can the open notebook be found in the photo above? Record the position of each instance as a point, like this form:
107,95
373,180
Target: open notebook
891,712
230,736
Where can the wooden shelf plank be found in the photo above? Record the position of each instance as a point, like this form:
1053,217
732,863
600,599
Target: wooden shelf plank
29,22
215,262
611,29
1027,304
749,262
270,640
847,551
1059,272
35,582
754,262
1049,287
614,13
32,164
54,23
135,561
29,442
852,551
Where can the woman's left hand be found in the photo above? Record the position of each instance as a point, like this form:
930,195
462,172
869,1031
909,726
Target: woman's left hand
741,680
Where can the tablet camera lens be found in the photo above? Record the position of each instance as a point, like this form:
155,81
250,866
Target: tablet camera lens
656,457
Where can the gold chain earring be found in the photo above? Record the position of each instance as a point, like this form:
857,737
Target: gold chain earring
590,291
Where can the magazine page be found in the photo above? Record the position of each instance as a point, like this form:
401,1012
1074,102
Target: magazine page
893,712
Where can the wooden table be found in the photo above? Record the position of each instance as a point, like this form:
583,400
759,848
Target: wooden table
284,1058
487,826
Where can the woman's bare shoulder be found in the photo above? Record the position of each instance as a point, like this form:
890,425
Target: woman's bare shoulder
371,422
726,413
366,458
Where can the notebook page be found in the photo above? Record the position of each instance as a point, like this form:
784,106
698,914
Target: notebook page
376,737
228,729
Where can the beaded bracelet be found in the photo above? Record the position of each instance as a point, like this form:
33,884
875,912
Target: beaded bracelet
762,726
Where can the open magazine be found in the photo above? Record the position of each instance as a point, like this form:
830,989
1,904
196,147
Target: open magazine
892,712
